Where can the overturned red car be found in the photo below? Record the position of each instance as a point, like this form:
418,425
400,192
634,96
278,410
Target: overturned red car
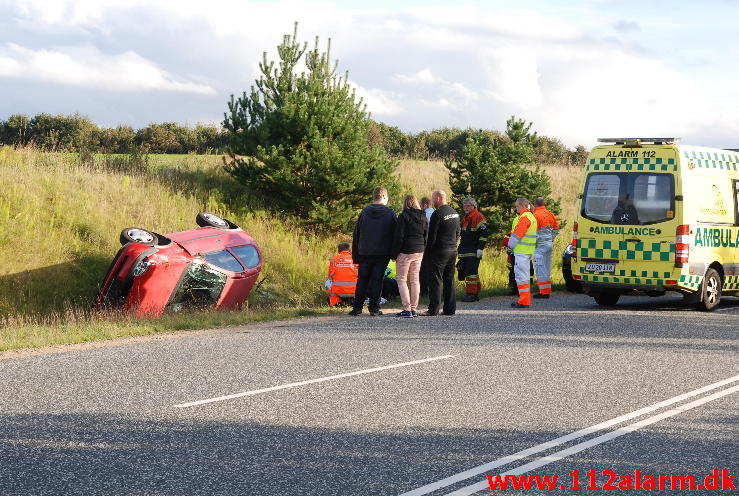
215,265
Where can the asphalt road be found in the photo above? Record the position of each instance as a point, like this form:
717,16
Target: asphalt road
105,421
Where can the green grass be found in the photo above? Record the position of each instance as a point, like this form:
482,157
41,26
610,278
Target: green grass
61,214
74,327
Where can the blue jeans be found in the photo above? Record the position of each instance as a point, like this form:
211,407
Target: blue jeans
371,273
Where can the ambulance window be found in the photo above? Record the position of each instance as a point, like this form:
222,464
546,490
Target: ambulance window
653,197
629,198
601,196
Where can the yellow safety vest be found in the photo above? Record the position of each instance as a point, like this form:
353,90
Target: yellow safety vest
527,244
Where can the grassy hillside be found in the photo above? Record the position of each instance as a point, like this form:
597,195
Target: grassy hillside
61,214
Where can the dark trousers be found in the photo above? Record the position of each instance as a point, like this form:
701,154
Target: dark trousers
423,276
441,281
371,273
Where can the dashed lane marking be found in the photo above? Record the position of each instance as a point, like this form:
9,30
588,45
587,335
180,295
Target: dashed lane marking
310,381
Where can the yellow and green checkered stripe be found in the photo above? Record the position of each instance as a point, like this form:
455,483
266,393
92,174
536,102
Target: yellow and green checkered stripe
631,164
691,282
622,250
731,283
713,160
641,281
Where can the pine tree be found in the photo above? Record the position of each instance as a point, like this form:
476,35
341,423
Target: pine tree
299,140
494,170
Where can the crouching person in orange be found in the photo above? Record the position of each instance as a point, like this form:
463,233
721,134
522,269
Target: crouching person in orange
342,277
523,243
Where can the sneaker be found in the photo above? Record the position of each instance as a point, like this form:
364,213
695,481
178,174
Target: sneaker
375,314
516,304
540,296
415,314
405,313
354,313
427,314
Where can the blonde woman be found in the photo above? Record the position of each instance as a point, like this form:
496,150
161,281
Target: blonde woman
409,242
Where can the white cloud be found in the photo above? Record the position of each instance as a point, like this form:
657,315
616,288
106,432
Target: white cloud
513,75
470,64
379,102
87,66
422,76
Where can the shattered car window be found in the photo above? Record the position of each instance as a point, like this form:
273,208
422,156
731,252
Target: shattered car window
224,260
248,255
200,286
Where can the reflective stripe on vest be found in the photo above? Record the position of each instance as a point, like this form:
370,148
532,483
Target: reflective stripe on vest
527,244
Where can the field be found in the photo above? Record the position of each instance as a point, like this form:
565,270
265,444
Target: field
60,216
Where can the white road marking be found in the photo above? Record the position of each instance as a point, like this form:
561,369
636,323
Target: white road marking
429,488
310,381
546,460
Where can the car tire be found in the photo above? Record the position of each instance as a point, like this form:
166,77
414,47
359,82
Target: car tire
710,291
205,219
138,235
607,298
571,284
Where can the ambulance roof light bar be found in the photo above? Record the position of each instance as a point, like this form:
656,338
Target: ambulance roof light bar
636,142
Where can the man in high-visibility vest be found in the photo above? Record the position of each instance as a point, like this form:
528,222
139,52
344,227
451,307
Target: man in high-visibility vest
473,238
523,243
547,229
342,274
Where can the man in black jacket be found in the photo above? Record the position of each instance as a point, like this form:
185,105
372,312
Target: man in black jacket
372,247
441,250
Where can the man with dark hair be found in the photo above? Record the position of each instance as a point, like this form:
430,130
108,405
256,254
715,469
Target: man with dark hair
441,250
372,246
423,276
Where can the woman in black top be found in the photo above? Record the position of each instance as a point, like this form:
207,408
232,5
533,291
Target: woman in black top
409,242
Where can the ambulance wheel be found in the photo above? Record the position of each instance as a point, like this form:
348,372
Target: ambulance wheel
710,291
607,298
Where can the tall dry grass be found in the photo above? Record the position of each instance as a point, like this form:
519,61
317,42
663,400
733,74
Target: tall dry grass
60,220
61,214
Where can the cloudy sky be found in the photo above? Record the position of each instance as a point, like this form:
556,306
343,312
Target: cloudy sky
579,69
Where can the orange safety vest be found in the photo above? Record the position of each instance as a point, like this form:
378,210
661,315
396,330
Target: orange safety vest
344,273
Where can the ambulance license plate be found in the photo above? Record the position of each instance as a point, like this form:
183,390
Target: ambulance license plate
600,267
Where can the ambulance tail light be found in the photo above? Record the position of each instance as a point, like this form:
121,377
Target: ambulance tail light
574,241
682,244
574,235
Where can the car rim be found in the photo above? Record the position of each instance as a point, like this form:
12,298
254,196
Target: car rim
711,290
214,219
140,236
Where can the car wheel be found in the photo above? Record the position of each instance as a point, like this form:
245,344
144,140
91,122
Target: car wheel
710,291
138,235
607,298
571,284
205,219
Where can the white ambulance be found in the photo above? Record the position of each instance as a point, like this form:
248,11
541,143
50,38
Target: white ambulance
655,216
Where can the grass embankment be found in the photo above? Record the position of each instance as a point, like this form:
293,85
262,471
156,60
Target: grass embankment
61,214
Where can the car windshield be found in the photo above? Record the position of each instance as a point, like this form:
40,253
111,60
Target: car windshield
224,260
248,255
200,286
629,198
